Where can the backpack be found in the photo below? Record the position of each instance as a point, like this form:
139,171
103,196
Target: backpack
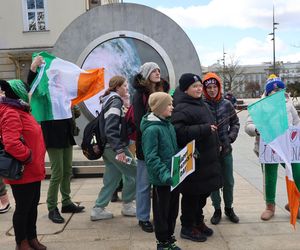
94,140
129,118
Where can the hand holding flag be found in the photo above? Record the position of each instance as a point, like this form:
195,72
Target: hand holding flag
270,118
59,85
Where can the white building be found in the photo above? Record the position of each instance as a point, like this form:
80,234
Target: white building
29,26
251,81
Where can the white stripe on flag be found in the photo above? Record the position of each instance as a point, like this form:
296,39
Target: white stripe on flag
37,81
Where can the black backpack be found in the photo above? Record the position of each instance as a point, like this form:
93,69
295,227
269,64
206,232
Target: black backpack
94,139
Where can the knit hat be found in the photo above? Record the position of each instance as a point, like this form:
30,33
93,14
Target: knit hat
147,68
159,101
187,79
212,78
272,83
15,89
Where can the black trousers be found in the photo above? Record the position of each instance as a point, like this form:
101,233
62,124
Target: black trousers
27,197
165,211
192,209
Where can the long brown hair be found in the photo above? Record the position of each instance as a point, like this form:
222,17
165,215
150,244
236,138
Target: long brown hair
114,82
152,87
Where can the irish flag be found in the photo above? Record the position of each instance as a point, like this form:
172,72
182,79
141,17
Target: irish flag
270,118
61,84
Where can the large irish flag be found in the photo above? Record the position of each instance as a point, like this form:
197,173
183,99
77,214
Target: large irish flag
270,118
61,84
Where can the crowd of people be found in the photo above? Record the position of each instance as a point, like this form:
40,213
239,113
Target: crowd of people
198,111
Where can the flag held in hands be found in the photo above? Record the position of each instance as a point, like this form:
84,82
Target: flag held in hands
270,118
61,84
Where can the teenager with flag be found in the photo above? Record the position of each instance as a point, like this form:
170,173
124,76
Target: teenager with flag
273,85
228,130
59,142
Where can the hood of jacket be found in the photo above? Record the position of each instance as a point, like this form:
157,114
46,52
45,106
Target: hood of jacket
211,75
152,119
104,99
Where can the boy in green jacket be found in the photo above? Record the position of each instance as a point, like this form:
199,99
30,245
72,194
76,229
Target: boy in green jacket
159,145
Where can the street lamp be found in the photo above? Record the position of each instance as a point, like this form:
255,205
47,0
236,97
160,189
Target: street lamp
273,39
224,65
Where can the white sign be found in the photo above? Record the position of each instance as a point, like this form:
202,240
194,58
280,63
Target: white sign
268,155
183,164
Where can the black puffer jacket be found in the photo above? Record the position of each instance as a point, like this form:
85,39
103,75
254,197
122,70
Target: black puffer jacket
192,119
140,104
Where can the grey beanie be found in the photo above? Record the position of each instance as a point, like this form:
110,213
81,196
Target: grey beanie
147,68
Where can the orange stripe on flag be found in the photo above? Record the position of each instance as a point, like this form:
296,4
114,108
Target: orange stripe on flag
189,164
293,197
89,84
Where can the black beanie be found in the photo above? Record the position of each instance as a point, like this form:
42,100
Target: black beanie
4,85
187,80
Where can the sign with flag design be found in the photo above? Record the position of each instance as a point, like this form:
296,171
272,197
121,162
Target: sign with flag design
268,155
183,164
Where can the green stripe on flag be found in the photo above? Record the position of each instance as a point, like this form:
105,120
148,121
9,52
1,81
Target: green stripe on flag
176,167
270,116
41,100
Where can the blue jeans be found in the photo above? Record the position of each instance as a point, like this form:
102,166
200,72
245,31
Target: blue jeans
143,192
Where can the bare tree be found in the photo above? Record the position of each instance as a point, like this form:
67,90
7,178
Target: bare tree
232,74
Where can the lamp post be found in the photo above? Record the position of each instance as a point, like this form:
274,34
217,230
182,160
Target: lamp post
224,65
273,39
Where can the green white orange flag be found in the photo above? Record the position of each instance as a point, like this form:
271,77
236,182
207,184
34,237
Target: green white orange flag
270,118
61,84
183,164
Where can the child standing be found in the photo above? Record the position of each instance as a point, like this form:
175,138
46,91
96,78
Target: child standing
159,145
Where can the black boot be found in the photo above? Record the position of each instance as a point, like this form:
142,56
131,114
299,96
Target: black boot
72,208
231,215
204,229
172,244
193,234
55,216
163,245
215,219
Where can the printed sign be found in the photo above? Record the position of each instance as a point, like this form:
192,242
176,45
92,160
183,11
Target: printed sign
268,155
183,164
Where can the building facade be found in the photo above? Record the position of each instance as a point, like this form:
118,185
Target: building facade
250,80
29,26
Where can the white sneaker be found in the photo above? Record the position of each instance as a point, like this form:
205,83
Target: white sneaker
4,204
99,213
129,209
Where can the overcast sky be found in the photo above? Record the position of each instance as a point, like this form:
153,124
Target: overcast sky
241,26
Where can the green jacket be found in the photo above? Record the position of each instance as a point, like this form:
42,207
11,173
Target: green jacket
159,145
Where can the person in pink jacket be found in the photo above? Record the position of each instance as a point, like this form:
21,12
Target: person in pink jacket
22,137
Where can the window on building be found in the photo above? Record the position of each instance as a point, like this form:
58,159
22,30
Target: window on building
34,15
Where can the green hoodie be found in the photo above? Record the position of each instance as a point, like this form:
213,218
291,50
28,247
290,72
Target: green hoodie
159,145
